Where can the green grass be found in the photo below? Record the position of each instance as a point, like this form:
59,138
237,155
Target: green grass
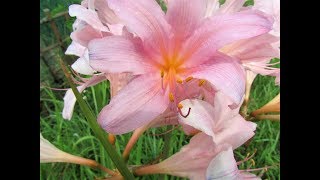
76,137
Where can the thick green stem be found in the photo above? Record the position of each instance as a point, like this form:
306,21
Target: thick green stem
166,147
100,133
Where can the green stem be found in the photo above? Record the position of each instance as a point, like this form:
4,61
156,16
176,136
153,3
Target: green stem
166,147
100,133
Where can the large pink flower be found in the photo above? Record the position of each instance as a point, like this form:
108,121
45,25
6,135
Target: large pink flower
167,50
91,24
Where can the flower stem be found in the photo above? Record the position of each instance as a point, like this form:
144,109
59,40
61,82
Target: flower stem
166,147
100,133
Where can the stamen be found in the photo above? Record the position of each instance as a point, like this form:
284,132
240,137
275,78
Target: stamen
247,157
189,79
185,116
162,73
171,97
179,81
201,82
180,106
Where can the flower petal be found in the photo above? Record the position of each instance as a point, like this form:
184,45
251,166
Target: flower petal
225,74
82,65
212,7
184,16
115,54
75,49
202,115
220,30
146,19
236,131
135,105
87,15
105,14
223,166
84,35
254,49
70,99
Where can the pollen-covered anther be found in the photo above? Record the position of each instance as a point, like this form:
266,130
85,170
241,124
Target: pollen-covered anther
179,81
180,112
189,79
180,106
171,97
162,73
201,82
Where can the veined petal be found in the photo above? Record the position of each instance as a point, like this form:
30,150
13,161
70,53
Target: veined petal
118,81
202,115
116,54
70,99
184,16
220,30
87,15
135,105
105,14
255,49
235,131
225,74
84,35
223,166
146,19
212,7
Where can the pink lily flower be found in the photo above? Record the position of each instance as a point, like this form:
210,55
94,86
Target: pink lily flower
218,120
200,159
89,25
271,7
169,49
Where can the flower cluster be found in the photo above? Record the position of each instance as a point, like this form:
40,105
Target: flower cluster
192,65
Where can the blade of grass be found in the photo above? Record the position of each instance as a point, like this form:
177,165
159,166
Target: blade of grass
101,135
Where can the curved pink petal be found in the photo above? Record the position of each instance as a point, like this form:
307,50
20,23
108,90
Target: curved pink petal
87,15
146,19
84,35
185,16
236,131
212,7
258,48
75,49
202,116
82,65
135,105
220,30
118,81
225,74
191,161
105,14
223,166
116,54
70,99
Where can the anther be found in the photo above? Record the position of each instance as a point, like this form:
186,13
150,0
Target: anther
171,97
162,73
189,79
180,106
185,116
201,82
179,81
